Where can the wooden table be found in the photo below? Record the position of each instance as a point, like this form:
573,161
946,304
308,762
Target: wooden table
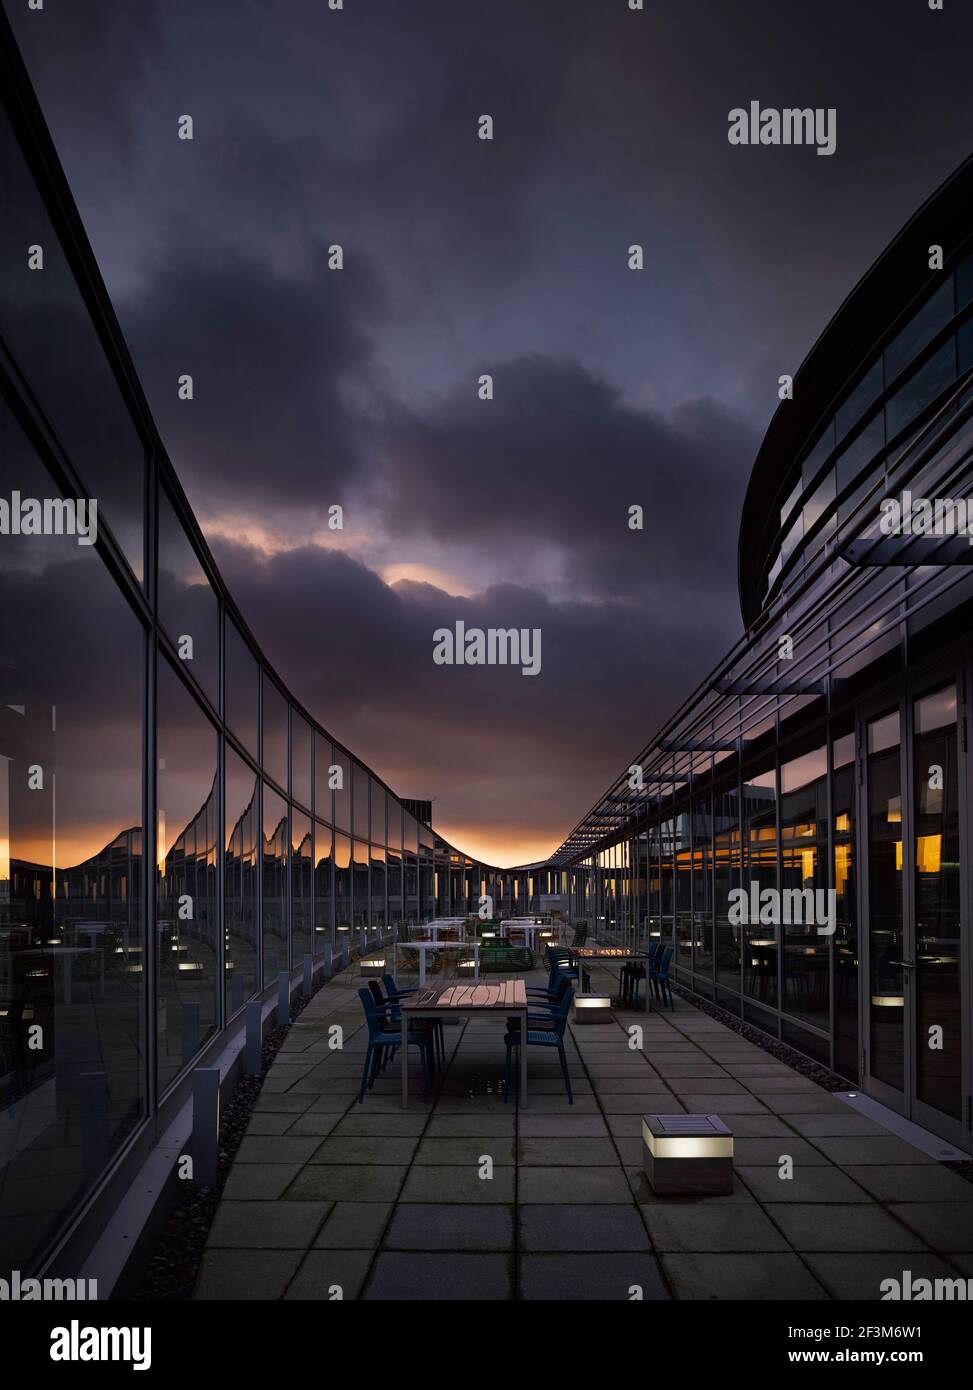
509,997
619,956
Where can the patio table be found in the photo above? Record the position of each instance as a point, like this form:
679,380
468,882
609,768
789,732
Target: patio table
616,955
423,946
508,997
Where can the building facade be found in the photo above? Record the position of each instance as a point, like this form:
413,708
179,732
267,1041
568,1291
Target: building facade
824,764
175,829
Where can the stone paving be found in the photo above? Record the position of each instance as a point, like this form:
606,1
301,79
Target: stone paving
389,1204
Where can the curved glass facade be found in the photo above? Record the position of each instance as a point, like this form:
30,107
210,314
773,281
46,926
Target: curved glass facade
174,830
799,831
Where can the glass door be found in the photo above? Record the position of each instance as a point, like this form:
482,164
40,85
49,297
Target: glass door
916,988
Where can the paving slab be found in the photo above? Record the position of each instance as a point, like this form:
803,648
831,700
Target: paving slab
757,1278
440,1277
591,1278
818,1226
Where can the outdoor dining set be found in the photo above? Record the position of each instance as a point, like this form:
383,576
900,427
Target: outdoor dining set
400,1019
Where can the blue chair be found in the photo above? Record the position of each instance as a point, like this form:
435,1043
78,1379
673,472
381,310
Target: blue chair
384,1037
395,994
635,972
659,977
543,1031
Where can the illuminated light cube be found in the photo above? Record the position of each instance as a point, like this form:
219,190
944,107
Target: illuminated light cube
687,1155
373,969
592,1008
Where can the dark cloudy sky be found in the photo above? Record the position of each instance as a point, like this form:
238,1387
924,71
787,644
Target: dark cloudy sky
612,387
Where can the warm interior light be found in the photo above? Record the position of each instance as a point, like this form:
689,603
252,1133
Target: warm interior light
929,853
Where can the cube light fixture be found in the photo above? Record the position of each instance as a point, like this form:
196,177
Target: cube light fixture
687,1155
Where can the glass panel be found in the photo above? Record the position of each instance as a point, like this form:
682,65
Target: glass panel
727,868
188,607
804,886
342,886
394,813
920,330
762,929
71,924
323,886
324,777
274,868
342,789
240,881
887,1006
359,865
703,887
815,459
377,822
360,801
411,871
300,759
867,390
394,886
187,914
274,733
683,890
301,870
856,460
377,914
939,986
921,388
47,328
846,1049
241,682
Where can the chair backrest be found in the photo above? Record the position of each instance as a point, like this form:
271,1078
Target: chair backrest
375,989
580,934
654,948
561,1011
662,962
373,1013
390,987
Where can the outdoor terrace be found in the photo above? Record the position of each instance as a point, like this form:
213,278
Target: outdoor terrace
388,1203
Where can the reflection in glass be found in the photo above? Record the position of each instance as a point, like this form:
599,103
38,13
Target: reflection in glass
761,940
846,1047
71,924
187,916
887,1008
241,682
301,759
342,885
359,881
301,871
342,789
188,607
274,747
939,1024
323,886
360,801
240,881
804,885
703,886
377,913
727,870
42,310
274,870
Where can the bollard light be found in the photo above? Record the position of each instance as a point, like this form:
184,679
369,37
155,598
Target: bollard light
687,1155
592,1008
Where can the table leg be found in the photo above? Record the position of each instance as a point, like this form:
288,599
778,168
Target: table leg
404,1047
523,1060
